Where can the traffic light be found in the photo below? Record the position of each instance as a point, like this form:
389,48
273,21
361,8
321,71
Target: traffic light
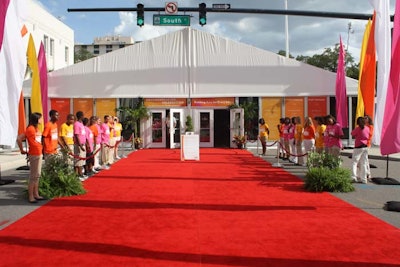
140,15
202,14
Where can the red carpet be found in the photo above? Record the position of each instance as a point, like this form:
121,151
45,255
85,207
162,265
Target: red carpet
228,209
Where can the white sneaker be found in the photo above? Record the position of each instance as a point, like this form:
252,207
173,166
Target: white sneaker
106,167
117,157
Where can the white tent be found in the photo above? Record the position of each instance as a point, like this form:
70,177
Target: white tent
187,64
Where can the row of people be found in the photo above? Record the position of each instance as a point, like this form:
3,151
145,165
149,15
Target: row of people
81,136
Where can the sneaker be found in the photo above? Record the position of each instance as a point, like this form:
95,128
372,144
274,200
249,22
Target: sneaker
94,171
83,177
117,157
106,167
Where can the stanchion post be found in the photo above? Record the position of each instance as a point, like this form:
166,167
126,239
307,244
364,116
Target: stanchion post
277,164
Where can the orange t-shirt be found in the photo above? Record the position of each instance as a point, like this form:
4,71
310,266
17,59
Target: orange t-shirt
95,131
50,134
34,138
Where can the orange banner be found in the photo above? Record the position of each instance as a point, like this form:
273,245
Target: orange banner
105,106
85,105
213,102
165,102
294,107
317,106
63,106
272,112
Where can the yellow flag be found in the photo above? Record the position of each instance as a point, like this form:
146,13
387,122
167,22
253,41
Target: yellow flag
36,97
360,101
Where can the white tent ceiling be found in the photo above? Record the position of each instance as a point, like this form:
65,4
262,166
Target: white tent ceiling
190,63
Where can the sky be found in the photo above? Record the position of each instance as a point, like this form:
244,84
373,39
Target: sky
307,35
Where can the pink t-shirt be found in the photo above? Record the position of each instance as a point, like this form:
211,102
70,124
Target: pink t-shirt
335,140
361,136
105,133
89,138
80,132
98,137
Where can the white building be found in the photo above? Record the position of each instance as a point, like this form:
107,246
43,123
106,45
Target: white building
57,38
106,44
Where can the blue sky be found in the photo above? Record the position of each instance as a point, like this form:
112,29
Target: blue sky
307,35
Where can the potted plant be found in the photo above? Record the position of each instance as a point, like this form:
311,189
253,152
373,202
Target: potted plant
189,124
239,140
132,117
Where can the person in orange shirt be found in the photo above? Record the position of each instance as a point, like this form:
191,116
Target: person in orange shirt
50,135
33,135
308,136
319,134
264,132
282,153
298,137
117,136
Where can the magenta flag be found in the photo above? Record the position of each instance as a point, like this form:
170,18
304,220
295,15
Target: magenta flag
341,93
3,11
390,135
43,82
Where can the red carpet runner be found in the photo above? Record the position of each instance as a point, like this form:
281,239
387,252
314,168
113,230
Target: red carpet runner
228,209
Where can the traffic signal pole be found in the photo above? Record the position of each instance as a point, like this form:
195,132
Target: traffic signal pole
339,15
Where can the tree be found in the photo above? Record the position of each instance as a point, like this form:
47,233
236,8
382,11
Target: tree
81,55
283,53
328,61
133,115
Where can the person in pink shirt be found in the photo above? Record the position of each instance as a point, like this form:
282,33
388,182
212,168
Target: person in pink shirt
89,148
334,133
360,152
105,142
79,145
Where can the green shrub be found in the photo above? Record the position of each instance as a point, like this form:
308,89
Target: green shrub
321,179
59,179
325,174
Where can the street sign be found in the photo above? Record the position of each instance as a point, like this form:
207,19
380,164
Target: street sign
171,8
171,20
221,6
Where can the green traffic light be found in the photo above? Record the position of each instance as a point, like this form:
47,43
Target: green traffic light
140,22
203,21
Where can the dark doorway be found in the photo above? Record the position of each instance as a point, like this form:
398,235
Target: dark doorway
221,128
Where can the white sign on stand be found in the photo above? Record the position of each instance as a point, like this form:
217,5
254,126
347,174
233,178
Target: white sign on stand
190,147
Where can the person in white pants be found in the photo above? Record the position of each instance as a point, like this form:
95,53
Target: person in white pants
360,152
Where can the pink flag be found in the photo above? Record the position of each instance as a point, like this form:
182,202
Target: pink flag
390,136
43,81
3,12
341,94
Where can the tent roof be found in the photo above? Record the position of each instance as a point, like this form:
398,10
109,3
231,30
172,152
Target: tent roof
191,63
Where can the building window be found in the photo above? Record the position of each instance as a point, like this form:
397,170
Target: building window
109,46
67,55
51,47
108,50
96,52
121,46
84,47
96,46
45,43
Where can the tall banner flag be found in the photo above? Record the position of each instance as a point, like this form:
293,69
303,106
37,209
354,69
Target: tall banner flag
367,77
43,81
12,70
341,93
383,45
36,96
390,136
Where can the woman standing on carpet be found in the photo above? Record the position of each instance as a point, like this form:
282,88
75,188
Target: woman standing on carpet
33,135
264,132
308,136
370,124
360,152
334,134
319,134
